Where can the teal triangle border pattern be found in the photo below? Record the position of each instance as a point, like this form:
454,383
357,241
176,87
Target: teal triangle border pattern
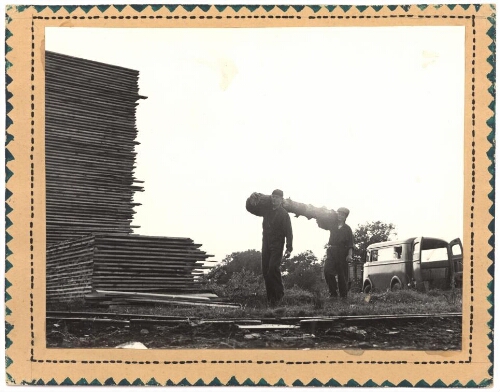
205,8
491,169
234,382
238,7
9,157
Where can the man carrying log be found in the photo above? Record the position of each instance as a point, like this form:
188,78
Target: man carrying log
276,227
338,253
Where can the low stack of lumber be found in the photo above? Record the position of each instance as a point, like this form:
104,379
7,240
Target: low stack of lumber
90,137
126,267
69,269
147,264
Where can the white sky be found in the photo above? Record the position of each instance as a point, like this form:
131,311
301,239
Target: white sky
366,118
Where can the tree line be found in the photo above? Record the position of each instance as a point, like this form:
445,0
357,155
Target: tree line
239,274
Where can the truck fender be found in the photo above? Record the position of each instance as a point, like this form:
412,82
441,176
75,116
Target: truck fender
367,282
396,280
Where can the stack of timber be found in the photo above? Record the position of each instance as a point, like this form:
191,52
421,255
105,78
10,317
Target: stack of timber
69,269
90,137
127,268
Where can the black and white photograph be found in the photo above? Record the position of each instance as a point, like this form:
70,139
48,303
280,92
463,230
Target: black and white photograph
254,188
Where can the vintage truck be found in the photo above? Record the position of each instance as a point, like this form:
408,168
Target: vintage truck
422,263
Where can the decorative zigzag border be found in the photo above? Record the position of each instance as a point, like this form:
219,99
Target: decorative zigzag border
8,209
491,156
251,8
263,383
205,8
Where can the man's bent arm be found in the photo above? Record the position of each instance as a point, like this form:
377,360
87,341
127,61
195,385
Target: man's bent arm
350,245
288,234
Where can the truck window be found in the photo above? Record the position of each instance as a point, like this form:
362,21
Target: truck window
456,250
386,254
434,254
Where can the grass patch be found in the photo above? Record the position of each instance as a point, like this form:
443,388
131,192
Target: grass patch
302,303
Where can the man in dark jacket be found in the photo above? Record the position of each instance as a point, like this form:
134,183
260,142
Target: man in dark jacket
338,253
276,227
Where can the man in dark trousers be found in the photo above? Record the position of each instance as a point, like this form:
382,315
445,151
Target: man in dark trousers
276,227
338,253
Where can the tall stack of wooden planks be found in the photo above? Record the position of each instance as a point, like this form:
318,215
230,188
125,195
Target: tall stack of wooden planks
90,137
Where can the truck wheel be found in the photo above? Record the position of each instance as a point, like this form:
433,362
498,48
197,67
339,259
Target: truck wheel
396,286
367,288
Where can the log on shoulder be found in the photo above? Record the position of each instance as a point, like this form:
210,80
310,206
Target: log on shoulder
299,209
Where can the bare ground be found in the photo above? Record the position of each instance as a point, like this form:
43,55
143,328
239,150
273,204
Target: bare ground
432,333
425,334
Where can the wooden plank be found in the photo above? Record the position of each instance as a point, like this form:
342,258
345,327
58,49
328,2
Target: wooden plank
173,302
146,295
268,327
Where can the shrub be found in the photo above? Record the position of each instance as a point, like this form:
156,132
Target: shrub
236,262
244,287
297,296
306,277
248,289
303,271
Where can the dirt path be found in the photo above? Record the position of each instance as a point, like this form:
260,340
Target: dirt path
422,334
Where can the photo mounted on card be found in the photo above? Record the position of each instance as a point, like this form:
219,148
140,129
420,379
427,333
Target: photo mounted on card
250,195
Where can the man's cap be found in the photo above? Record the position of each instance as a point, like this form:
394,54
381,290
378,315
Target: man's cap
344,210
278,192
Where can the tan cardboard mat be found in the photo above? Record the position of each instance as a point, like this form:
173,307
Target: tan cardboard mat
142,140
